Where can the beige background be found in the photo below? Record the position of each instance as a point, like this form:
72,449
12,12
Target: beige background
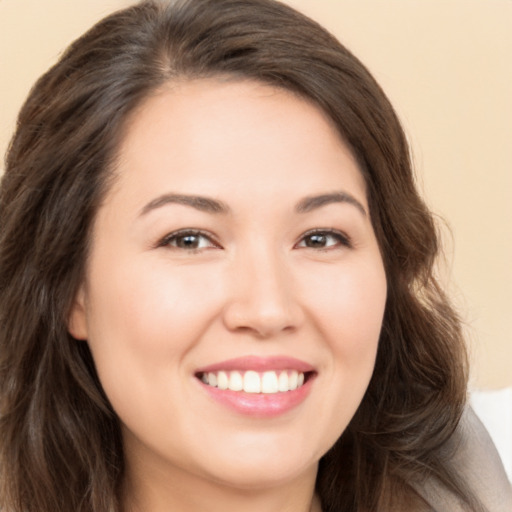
447,67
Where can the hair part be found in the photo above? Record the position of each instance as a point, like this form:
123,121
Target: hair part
60,440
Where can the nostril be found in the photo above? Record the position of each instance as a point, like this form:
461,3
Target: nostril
261,321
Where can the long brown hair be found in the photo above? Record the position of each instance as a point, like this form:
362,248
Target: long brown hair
60,443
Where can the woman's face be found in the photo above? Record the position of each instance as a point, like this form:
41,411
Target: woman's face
234,249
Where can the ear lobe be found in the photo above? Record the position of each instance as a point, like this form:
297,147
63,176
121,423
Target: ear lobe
77,319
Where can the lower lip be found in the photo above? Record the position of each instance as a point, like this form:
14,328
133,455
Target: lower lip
260,405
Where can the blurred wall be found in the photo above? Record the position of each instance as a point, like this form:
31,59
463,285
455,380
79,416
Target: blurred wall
447,67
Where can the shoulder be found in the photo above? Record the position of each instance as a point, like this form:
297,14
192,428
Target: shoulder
479,466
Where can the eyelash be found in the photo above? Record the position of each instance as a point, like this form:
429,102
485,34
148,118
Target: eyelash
341,238
172,239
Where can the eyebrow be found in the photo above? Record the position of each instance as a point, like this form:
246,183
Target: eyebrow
210,205
204,204
313,202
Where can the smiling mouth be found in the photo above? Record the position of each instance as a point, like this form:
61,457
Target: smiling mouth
268,382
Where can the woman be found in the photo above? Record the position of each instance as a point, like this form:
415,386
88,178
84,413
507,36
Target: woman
210,294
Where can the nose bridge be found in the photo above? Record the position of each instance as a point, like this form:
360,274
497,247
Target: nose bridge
262,292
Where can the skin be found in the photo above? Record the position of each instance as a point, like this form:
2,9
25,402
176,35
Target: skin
154,311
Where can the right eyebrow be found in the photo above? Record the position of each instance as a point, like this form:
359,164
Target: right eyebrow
204,204
314,202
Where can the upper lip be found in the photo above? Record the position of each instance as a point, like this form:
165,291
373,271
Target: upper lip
258,364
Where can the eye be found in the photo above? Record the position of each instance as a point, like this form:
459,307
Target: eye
324,239
188,240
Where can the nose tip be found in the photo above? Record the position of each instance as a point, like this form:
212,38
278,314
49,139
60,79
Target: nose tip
264,321
264,305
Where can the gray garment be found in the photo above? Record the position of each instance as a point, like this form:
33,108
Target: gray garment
480,467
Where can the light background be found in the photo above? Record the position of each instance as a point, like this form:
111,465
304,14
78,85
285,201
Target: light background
447,67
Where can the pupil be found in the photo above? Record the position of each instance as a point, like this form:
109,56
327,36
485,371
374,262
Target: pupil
316,241
188,242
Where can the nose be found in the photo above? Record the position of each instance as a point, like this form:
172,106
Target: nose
263,300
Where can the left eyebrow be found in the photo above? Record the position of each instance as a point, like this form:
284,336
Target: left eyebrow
313,202
204,204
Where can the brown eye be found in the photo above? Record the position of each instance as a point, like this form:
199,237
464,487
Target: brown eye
188,241
324,240
317,240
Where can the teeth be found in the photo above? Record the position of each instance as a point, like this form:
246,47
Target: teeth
293,380
253,382
236,382
222,380
282,383
269,383
212,379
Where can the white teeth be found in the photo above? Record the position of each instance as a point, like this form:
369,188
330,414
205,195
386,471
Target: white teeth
236,382
283,381
222,380
293,380
269,383
253,382
212,379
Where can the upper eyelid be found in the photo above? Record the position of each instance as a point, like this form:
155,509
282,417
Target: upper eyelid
332,231
325,231
213,239
187,231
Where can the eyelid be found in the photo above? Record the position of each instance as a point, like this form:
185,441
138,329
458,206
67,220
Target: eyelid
166,240
343,239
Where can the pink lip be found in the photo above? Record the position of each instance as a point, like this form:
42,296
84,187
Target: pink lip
260,405
259,364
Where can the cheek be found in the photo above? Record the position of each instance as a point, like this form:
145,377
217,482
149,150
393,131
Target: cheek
349,306
349,309
146,299
143,320
352,321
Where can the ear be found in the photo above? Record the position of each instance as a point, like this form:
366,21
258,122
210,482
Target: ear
77,320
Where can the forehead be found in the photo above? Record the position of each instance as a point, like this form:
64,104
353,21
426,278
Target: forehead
224,136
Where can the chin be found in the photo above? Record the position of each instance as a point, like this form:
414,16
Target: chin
253,477
263,467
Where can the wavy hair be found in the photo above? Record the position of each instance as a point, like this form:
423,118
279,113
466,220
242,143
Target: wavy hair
60,442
